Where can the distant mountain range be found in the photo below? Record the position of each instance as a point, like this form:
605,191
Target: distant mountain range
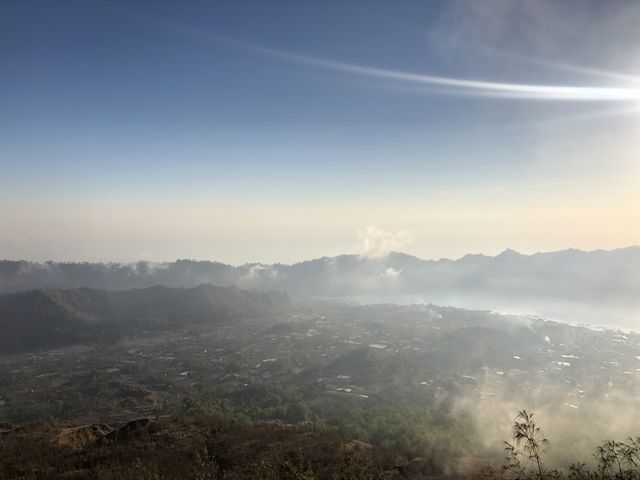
593,282
573,274
44,318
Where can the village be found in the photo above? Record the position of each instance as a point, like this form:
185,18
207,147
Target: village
362,354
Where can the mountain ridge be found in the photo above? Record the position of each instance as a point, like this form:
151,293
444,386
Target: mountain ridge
392,253
597,281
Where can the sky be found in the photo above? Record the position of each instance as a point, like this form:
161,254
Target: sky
281,131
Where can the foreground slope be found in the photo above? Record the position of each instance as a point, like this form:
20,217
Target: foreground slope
190,448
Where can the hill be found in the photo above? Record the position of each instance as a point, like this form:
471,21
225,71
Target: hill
50,317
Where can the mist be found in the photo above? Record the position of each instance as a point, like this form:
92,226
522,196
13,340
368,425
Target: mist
599,288
320,240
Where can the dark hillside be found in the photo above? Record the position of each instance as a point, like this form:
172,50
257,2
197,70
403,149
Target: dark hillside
41,318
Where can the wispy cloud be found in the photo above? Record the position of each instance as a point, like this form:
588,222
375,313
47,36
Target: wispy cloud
618,77
461,86
441,84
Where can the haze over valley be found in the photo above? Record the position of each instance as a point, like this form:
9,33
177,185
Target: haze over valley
345,343
600,288
283,240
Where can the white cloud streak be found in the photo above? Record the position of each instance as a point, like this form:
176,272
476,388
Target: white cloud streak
461,86
445,85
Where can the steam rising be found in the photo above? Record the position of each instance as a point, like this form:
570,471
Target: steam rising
574,432
377,243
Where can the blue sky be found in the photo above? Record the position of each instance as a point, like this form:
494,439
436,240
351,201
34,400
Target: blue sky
279,131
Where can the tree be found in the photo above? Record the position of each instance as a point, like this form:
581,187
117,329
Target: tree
528,440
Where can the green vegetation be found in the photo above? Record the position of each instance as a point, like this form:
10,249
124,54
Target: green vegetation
187,448
406,382
216,447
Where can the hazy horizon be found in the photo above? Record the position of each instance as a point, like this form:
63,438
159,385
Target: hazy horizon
247,132
375,251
